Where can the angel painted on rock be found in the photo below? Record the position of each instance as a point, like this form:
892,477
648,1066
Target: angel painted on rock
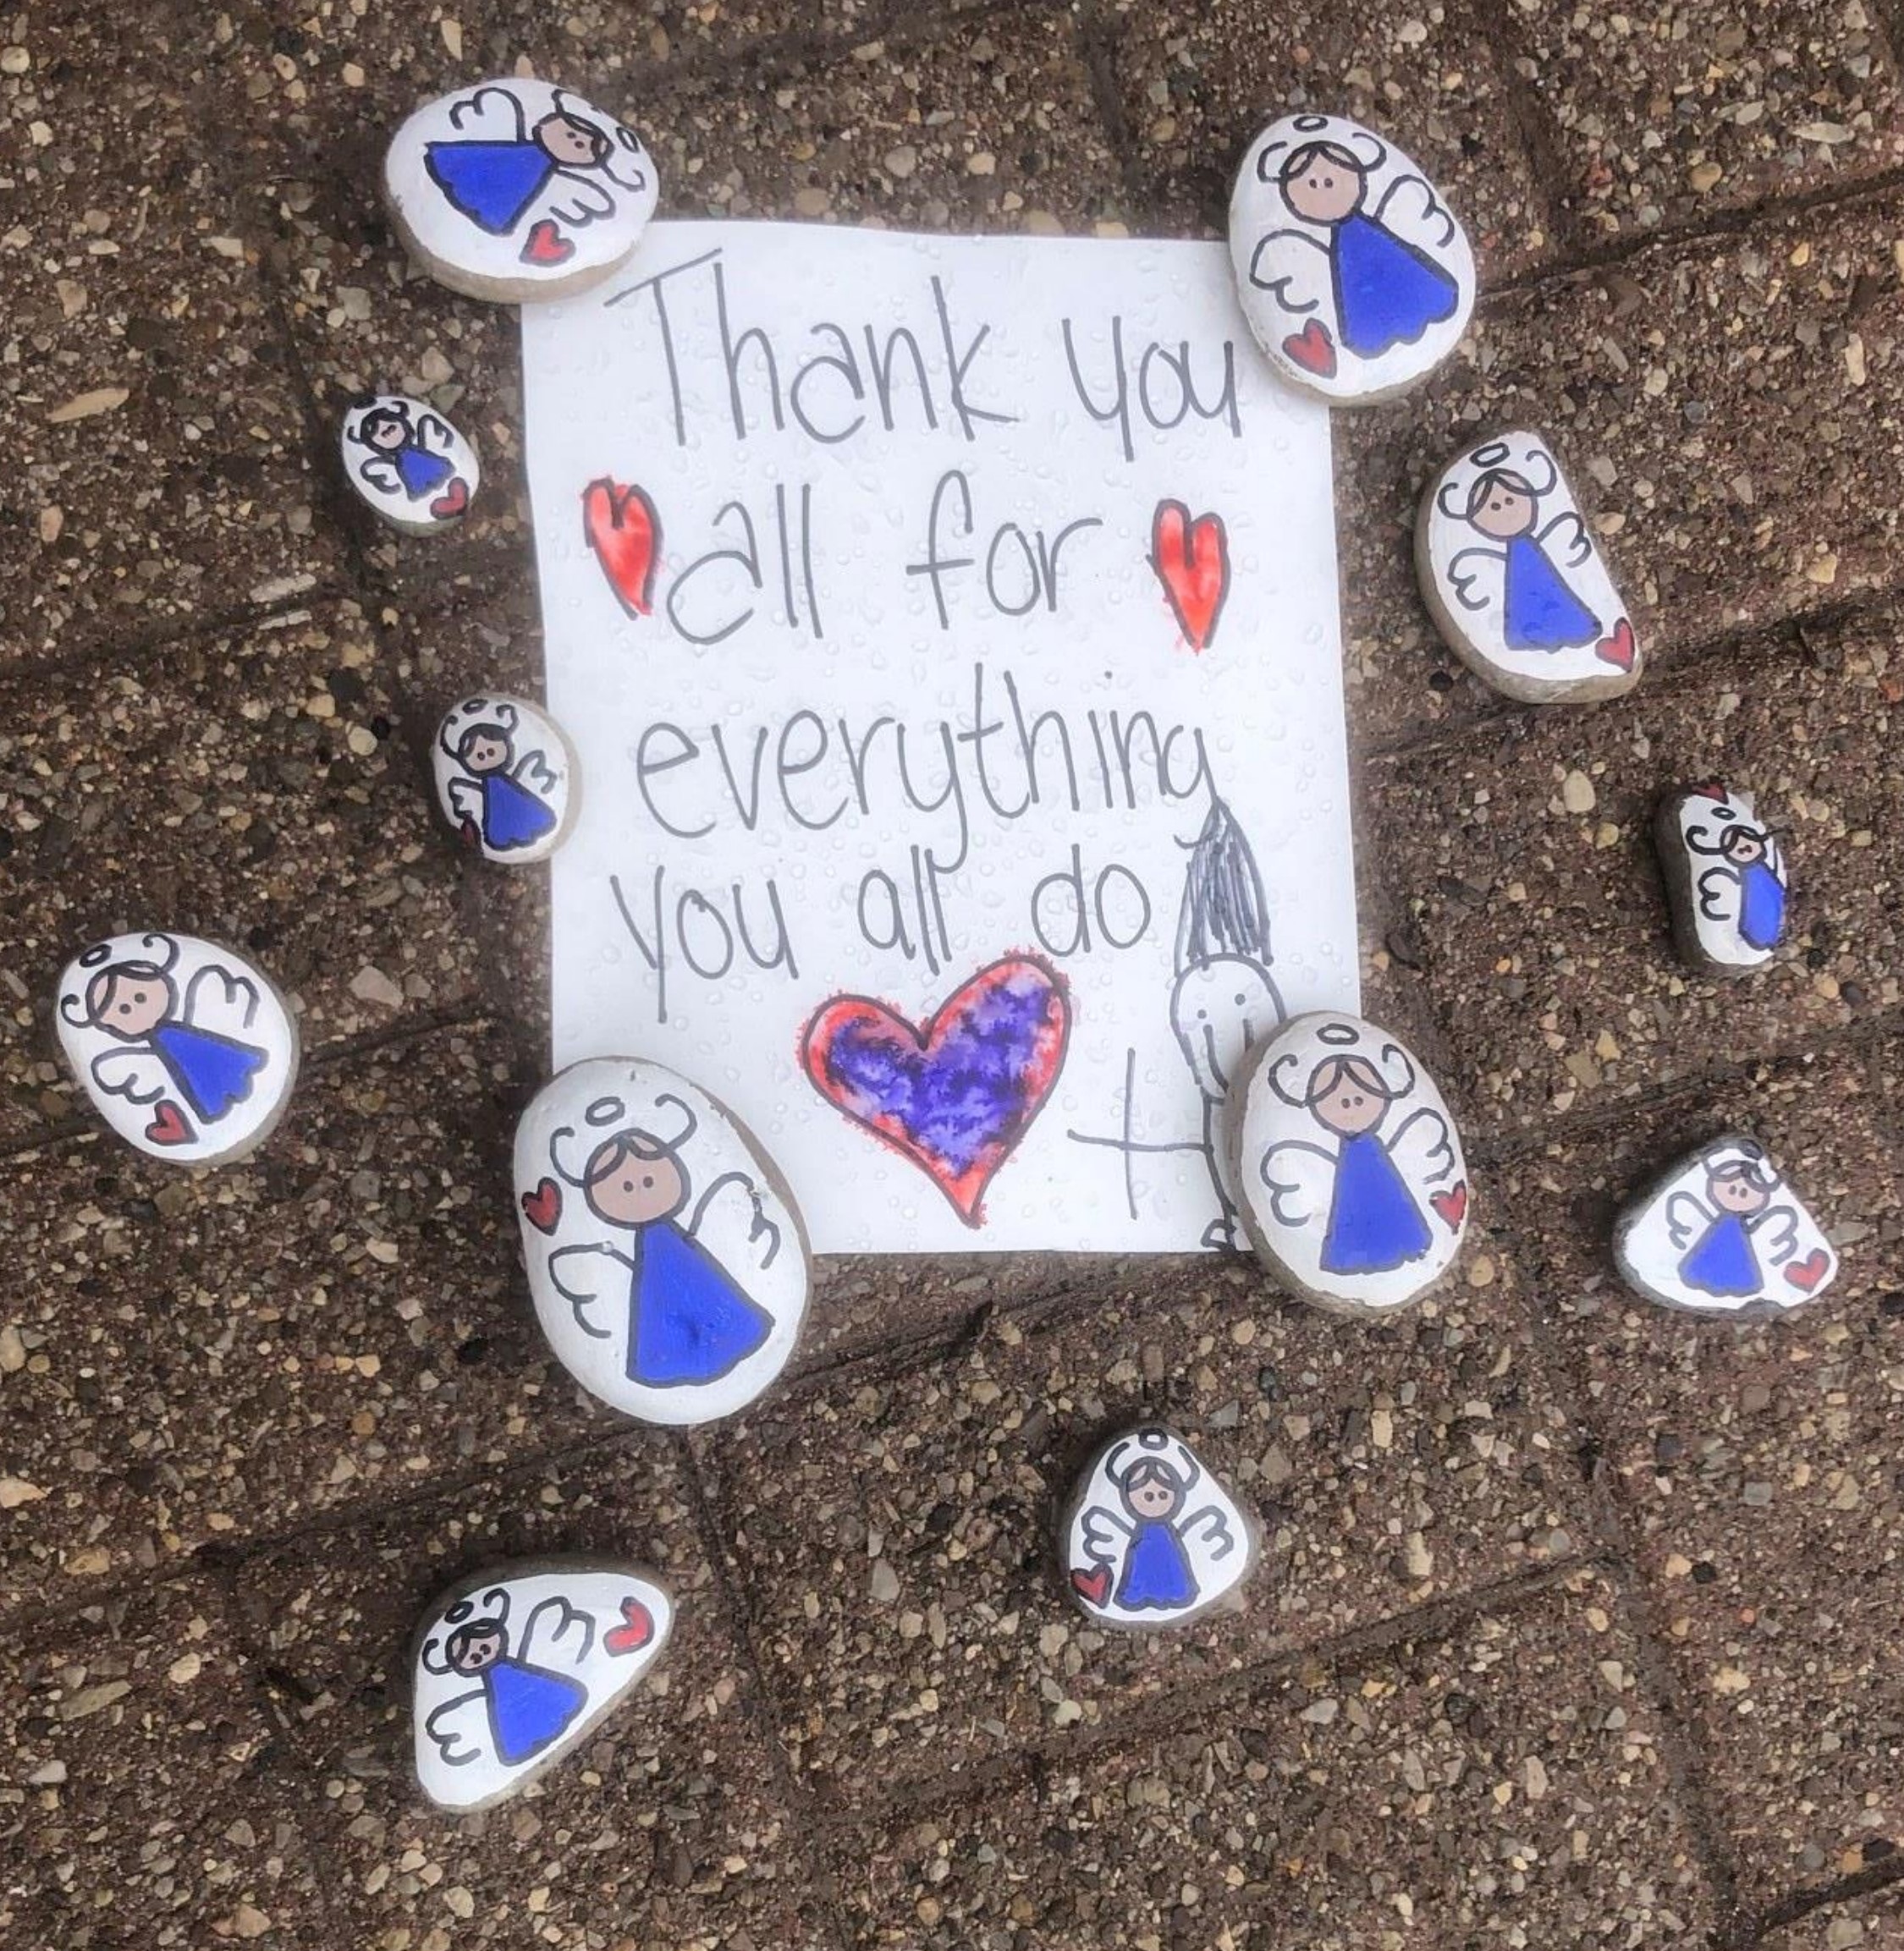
408,462
503,779
1522,564
1745,885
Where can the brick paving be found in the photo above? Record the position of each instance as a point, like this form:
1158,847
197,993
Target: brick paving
1577,1622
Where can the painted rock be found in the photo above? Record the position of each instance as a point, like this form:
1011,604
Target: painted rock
1355,276
505,778
408,463
669,1267
517,191
1151,1539
1515,581
1347,1164
1723,1233
513,1667
185,1049
1725,879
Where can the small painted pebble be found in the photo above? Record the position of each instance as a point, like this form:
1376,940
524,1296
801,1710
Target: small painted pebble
513,1667
1725,879
517,191
1516,583
1348,1165
409,463
1723,1233
505,778
1151,1539
667,1265
187,1051
1353,275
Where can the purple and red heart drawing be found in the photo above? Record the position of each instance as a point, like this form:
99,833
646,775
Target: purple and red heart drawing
956,1096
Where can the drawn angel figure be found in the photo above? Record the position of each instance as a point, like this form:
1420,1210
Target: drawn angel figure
1225,998
1517,567
689,1321
568,166
409,457
525,1703
1386,285
169,1048
1722,1242
1375,1223
1745,885
1145,1541
502,797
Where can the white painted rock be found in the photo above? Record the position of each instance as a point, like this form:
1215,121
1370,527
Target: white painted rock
1723,1234
505,778
1515,581
409,463
1725,879
1151,1539
512,1668
1353,275
185,1049
517,190
669,1267
1348,1164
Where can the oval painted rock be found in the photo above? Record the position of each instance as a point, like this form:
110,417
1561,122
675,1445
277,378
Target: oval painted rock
1353,275
1348,1165
517,191
512,1668
185,1049
408,462
1151,1538
1515,582
1725,879
505,777
668,1268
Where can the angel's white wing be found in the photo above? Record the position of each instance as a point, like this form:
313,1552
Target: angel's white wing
1422,1147
1215,1526
1301,1179
1566,538
534,771
1719,894
555,1627
220,1001
589,1277
1293,268
465,795
380,472
432,433
628,161
1776,1230
1478,577
132,1073
1411,209
1686,1216
1105,1535
763,1236
579,201
491,114
457,1731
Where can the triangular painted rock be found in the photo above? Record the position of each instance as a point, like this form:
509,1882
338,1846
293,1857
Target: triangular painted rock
1724,1232
505,778
513,1667
1515,581
1347,1164
1725,879
1151,1539
408,463
185,1049
669,1267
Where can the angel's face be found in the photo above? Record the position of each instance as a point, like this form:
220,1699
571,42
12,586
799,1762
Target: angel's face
1326,190
1504,512
1152,1499
1219,1008
133,1006
569,142
475,1651
1738,1194
1349,1108
387,432
631,1190
484,752
1743,847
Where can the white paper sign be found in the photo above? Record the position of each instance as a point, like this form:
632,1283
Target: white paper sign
947,631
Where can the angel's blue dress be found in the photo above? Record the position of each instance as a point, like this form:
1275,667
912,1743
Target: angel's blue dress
492,184
529,1707
689,1322
1157,1575
1374,1222
1542,613
1722,1262
512,816
212,1072
420,470
1387,293
1761,905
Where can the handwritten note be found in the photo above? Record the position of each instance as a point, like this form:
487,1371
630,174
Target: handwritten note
947,631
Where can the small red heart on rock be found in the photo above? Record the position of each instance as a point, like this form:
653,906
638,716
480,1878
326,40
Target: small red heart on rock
452,501
1452,1205
1620,649
1805,1274
542,1207
168,1125
1312,349
1095,1586
636,1630
546,245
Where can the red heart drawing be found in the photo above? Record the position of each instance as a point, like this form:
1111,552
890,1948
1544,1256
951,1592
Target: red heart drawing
1094,1586
957,1097
1312,349
546,245
1620,649
543,1208
1192,558
636,1630
624,531
168,1125
1805,1274
1452,1205
452,501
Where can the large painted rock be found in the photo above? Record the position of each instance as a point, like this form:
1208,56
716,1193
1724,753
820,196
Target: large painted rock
505,777
408,462
513,1667
1725,879
1724,1232
1353,273
1151,1539
1347,1164
669,1267
187,1051
1516,583
517,191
